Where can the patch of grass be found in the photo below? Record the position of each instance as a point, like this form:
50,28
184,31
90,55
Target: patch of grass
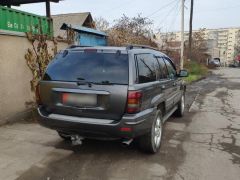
196,71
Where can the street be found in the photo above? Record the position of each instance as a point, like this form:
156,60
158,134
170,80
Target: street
205,144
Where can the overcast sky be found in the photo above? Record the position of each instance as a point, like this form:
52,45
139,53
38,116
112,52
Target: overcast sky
164,13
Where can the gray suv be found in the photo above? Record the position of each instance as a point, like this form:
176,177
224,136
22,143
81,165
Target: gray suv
111,93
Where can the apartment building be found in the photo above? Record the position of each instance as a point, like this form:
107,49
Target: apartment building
220,42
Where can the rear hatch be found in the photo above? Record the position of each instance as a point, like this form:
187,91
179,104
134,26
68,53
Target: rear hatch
86,83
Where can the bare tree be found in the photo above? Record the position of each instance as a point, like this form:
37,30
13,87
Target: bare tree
101,24
136,30
199,47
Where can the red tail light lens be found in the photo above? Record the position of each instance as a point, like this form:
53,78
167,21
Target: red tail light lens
37,94
134,101
125,129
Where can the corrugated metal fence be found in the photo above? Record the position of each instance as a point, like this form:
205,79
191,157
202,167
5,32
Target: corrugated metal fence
19,21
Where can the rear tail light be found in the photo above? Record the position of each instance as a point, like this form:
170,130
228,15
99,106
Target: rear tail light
134,101
125,129
64,97
37,94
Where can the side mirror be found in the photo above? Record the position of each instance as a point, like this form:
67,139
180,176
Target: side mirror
183,73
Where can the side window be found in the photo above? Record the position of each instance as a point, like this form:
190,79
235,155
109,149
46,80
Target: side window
171,71
147,71
163,68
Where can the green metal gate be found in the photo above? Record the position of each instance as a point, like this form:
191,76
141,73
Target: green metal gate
19,21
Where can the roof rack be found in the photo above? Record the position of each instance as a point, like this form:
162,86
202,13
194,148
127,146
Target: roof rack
129,47
76,46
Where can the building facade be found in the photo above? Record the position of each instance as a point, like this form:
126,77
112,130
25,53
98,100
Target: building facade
220,42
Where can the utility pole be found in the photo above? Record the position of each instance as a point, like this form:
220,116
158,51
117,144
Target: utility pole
190,30
48,11
182,36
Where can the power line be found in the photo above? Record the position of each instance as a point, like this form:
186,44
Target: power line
174,19
173,9
166,5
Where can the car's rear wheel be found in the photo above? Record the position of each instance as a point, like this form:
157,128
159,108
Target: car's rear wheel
64,135
151,142
181,106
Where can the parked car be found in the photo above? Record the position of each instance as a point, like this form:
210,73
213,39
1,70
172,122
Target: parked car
215,61
111,93
234,64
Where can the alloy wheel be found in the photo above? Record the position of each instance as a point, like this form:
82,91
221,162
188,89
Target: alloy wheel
158,132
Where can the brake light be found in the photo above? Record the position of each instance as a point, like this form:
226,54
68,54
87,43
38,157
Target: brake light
64,97
125,129
134,101
37,94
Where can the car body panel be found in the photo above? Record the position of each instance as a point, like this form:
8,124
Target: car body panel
106,95
106,118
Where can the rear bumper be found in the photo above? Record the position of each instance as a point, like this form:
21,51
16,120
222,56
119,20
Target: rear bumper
130,126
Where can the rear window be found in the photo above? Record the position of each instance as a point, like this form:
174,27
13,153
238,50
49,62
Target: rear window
90,67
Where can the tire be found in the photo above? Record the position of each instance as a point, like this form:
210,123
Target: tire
181,106
64,136
151,142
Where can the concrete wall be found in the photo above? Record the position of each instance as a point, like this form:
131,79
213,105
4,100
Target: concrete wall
15,91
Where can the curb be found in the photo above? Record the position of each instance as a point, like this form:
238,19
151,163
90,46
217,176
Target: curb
194,101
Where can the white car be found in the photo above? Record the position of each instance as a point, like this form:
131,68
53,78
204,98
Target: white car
216,62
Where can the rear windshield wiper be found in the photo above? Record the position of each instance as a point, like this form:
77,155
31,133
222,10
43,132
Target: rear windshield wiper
81,81
105,83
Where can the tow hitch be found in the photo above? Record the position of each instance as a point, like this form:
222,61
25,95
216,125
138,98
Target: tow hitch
76,140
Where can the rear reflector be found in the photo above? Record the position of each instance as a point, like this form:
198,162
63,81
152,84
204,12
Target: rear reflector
134,101
125,129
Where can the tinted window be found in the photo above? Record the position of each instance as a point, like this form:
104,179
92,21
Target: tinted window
171,71
89,66
147,68
164,71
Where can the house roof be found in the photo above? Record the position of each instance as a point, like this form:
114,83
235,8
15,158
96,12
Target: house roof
19,2
83,29
80,19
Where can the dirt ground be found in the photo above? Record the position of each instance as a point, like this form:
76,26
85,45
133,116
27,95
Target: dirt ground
205,144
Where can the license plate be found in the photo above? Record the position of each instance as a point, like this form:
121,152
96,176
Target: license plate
81,100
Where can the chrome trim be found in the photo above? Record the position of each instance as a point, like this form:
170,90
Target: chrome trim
76,119
84,91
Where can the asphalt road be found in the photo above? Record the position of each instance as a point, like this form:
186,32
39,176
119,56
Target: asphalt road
205,144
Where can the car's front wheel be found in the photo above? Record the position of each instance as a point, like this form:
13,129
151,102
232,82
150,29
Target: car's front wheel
181,106
151,142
